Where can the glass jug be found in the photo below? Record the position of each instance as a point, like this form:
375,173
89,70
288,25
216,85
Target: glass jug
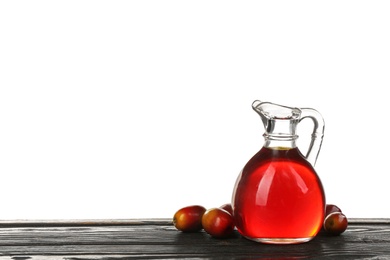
278,197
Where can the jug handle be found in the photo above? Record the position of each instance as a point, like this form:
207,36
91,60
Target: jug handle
316,136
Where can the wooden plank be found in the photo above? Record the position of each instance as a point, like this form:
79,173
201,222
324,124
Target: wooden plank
154,240
126,222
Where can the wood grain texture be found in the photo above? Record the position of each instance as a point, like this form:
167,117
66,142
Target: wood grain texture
158,239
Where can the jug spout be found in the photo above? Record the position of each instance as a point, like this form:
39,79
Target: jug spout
268,110
256,105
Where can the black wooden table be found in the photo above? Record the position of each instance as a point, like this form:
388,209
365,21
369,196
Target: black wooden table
158,239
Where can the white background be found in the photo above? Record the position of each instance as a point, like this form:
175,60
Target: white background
133,109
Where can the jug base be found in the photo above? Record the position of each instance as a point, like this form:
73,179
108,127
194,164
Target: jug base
281,241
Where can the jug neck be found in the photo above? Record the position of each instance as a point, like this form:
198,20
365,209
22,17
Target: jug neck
279,144
281,133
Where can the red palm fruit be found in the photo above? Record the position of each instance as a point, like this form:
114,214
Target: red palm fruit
189,219
335,223
218,222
